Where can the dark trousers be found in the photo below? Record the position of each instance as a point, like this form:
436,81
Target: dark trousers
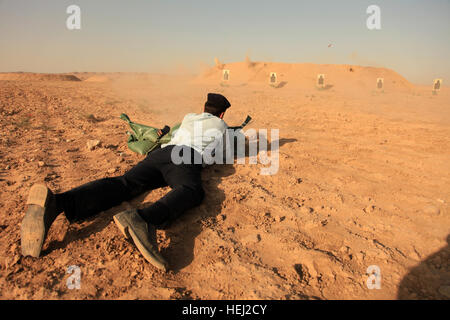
155,171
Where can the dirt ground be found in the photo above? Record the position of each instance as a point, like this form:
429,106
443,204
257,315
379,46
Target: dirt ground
363,179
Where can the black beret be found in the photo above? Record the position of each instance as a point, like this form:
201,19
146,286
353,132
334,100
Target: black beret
218,101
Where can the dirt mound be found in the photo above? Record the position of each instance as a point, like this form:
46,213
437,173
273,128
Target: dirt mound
305,75
26,76
97,79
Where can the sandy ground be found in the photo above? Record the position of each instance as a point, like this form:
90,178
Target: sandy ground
363,180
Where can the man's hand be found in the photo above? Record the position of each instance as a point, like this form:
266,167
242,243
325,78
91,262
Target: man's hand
163,131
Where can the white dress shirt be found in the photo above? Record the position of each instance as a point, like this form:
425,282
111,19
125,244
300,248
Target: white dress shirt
198,131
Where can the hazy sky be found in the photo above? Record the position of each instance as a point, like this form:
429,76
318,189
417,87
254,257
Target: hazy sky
174,35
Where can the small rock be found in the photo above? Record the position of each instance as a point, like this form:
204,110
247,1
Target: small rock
437,261
13,247
56,139
39,294
414,255
432,210
41,164
251,238
8,167
92,144
306,210
369,209
445,291
112,170
360,256
344,249
302,271
376,253
318,208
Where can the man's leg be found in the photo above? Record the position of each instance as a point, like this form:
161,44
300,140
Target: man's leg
139,225
83,201
187,192
96,196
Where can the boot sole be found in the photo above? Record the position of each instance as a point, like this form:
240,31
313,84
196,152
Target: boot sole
33,224
128,232
122,226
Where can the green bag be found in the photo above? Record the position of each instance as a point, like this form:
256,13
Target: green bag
144,139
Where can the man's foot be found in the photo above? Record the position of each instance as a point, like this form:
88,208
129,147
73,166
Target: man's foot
143,235
39,217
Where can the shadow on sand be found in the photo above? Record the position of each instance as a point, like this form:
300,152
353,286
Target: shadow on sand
430,280
185,229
